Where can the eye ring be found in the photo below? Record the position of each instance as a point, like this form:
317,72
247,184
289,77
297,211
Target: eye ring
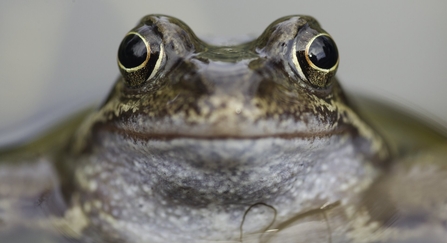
333,47
139,57
148,53
315,58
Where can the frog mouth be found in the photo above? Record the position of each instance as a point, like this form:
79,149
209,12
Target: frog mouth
149,136
226,125
213,134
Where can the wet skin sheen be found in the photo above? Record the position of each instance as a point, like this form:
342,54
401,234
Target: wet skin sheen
247,143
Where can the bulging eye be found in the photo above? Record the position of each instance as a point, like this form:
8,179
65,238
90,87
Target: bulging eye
139,57
315,57
134,52
322,52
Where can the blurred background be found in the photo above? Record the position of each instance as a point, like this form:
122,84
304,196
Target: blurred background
58,56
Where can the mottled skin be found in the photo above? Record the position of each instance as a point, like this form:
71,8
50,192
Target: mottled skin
236,143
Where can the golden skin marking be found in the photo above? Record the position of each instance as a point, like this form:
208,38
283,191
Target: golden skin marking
158,63
364,130
148,55
297,65
308,58
73,222
352,118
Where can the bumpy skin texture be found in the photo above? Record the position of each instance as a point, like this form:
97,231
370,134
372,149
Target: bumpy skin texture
226,143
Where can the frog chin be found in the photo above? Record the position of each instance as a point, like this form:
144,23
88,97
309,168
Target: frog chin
214,182
199,164
200,171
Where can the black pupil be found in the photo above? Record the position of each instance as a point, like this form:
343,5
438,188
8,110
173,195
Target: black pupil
323,52
132,52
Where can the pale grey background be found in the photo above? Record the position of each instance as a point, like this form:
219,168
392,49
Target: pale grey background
59,55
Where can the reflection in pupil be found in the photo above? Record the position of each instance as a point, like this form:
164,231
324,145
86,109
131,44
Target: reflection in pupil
132,51
323,52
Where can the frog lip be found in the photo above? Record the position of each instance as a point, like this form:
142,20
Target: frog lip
226,136
227,126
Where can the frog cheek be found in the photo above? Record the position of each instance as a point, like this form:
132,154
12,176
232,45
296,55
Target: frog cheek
137,61
317,60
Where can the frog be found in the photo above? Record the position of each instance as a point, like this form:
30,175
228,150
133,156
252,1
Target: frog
251,142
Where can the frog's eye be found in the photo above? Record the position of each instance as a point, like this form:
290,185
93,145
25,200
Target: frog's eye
138,59
322,53
316,60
